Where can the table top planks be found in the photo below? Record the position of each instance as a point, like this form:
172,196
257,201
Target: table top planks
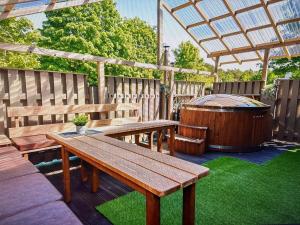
151,171
131,127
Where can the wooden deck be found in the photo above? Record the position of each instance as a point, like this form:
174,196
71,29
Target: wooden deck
83,201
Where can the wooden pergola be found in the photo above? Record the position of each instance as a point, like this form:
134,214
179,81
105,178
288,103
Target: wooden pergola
232,31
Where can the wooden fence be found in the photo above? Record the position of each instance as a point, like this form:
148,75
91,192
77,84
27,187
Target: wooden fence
287,111
26,88
247,88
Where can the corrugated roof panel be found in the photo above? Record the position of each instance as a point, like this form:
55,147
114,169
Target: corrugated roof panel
226,25
290,30
175,3
241,4
32,4
202,32
277,52
189,15
213,46
212,8
294,49
246,55
284,10
227,58
236,41
262,36
253,18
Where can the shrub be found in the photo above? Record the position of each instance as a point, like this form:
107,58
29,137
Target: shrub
80,120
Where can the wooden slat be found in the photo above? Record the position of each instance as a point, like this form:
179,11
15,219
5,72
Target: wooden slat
81,89
58,94
119,92
151,99
292,110
45,91
126,94
2,105
283,107
111,94
68,109
31,93
157,94
145,100
140,97
70,93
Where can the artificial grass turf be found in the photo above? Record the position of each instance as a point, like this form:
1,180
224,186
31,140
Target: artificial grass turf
235,192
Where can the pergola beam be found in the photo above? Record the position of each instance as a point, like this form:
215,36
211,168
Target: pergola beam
256,48
92,58
265,66
38,9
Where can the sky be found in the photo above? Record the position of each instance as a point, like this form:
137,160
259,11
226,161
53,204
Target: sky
174,34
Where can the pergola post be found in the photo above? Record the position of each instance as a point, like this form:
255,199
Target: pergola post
171,95
101,82
265,66
165,82
159,32
215,72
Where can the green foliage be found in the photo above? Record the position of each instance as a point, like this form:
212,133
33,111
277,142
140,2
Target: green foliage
188,56
80,120
236,75
97,29
19,31
282,66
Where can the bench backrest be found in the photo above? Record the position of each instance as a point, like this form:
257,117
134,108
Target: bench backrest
17,113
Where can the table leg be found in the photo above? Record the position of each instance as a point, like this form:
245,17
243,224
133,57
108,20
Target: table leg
83,171
159,140
152,209
150,140
188,217
95,180
137,139
66,174
172,141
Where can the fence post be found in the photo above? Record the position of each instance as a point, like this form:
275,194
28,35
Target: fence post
171,96
101,85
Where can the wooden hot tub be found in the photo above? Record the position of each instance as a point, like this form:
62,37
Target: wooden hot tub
235,123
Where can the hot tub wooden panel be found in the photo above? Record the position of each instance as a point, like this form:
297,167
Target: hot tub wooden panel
231,130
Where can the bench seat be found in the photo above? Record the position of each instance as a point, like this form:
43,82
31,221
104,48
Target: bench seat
25,192
8,149
28,143
4,140
50,214
12,165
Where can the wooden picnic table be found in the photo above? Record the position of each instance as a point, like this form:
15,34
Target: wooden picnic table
151,173
145,127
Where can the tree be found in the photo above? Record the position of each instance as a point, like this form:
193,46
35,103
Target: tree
188,56
18,31
97,29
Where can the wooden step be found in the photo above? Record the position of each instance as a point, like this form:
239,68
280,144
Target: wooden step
188,145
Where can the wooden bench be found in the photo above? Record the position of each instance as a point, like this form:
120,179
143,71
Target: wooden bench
151,173
4,140
29,137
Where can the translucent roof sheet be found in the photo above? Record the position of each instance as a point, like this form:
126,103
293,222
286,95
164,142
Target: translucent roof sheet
236,41
285,10
253,18
226,25
228,28
290,30
241,4
14,8
212,8
189,15
202,32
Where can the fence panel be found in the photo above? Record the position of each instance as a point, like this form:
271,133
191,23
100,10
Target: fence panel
248,88
29,88
287,111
